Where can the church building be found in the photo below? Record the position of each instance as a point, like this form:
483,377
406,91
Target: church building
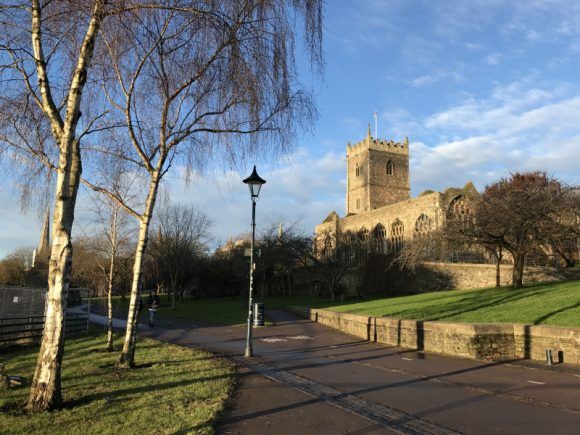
379,209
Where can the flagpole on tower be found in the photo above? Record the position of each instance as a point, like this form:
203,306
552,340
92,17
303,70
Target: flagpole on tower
376,124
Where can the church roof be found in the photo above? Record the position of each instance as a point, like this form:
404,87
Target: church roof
331,217
468,190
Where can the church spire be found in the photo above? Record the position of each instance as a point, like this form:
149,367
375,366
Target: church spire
44,245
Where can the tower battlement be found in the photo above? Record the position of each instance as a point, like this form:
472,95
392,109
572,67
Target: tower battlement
389,146
377,173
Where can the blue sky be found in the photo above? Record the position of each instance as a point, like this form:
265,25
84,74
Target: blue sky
480,87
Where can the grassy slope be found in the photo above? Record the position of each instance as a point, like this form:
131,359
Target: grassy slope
551,304
175,390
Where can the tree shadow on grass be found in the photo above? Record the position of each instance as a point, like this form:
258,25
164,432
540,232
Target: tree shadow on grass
470,304
546,316
113,365
13,408
116,394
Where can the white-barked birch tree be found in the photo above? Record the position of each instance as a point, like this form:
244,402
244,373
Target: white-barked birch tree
198,82
46,51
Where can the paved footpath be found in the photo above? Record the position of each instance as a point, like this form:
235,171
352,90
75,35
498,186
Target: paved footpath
307,378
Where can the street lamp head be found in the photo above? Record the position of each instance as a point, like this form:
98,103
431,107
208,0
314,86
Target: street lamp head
254,182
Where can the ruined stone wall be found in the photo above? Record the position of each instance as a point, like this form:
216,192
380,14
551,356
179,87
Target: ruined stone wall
407,212
487,341
467,275
433,276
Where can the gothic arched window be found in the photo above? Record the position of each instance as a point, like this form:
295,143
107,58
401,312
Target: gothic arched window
459,209
363,242
380,239
356,170
423,225
328,247
397,235
390,168
349,247
363,235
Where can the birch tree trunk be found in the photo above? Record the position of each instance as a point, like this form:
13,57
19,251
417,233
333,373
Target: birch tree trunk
128,354
45,391
111,279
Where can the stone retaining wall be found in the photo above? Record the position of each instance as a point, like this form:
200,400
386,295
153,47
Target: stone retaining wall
468,275
488,341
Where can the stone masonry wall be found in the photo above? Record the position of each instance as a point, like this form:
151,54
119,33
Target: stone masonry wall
487,341
467,275
386,189
435,276
406,211
370,184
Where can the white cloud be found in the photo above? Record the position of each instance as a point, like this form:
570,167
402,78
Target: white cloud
473,46
509,108
426,80
303,187
493,59
307,188
521,126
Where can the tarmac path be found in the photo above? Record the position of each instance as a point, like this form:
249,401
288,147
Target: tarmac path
307,378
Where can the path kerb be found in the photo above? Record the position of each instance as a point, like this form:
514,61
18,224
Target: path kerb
487,341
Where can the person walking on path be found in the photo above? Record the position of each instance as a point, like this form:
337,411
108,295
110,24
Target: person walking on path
153,303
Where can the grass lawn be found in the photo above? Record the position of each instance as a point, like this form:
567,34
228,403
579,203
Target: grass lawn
549,304
223,311
228,311
175,389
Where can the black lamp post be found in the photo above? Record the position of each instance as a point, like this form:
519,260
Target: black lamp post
254,182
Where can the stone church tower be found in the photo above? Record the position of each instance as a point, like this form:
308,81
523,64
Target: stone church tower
377,174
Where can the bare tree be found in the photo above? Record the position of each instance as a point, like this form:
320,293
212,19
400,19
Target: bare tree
564,240
182,232
279,242
113,224
518,214
330,257
46,53
212,70
14,267
197,81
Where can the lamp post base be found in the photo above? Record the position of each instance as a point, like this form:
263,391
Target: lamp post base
249,353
